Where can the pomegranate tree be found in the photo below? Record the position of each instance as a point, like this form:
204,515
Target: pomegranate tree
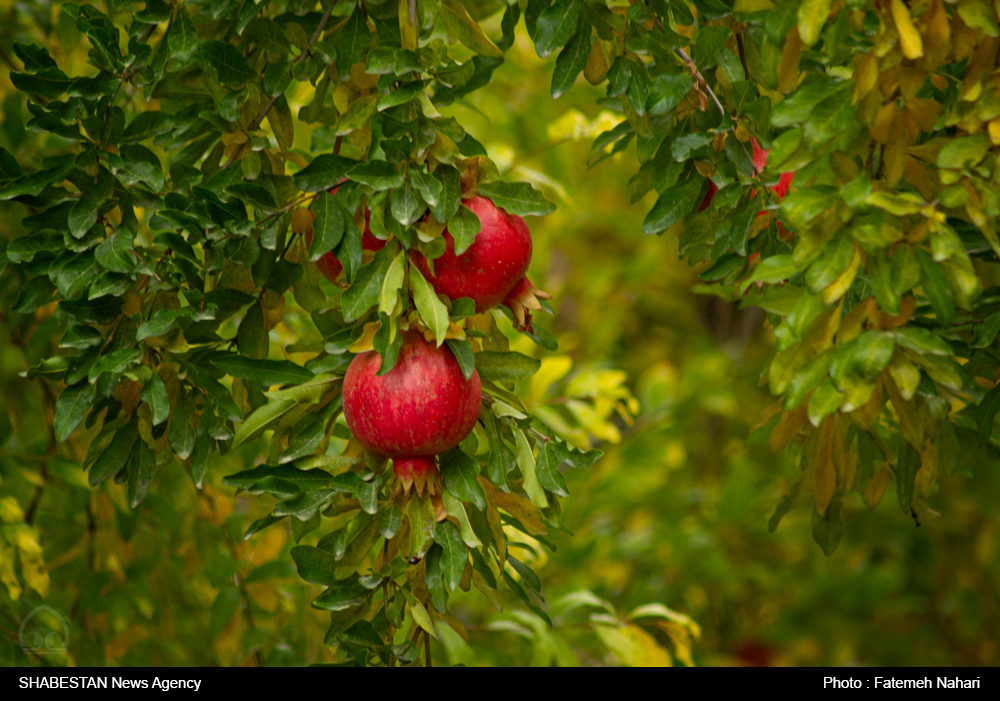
421,408
492,270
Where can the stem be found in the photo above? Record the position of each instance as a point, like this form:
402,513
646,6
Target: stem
700,80
427,649
267,108
385,604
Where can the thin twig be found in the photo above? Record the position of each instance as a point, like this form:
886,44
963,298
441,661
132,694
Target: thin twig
267,108
427,649
700,80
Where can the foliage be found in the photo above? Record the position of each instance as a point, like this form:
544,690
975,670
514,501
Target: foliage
159,276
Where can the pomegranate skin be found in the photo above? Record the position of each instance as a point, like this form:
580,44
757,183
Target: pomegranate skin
491,267
424,406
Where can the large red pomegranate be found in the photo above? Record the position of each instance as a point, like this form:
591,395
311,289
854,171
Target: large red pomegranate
329,264
424,406
492,270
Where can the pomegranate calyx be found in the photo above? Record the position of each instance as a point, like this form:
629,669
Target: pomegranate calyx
521,299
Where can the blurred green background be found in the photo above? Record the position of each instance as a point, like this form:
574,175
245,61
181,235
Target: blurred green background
675,513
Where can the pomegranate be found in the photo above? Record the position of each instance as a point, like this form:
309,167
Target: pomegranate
424,406
781,189
492,270
329,265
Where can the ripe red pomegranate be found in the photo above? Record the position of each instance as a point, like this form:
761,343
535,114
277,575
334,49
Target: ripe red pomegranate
492,270
329,265
424,406
781,189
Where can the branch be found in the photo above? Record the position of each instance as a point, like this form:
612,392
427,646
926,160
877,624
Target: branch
267,108
702,82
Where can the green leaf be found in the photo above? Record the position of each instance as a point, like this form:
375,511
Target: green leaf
461,26
407,205
182,38
459,472
667,91
433,578
228,61
378,175
154,393
115,363
432,309
366,289
463,227
34,295
227,601
556,26
547,470
963,152
451,193
708,43
520,199
834,260
34,58
935,287
147,125
673,205
141,471
828,119
328,226
113,252
389,521
921,341
420,512
50,83
71,407
985,413
160,322
402,95
825,400
800,208
77,275
314,565
181,431
343,595
511,365
880,278
456,509
268,35
264,372
84,213
466,357
872,353
252,337
113,458
307,480
987,332
454,556
430,188
526,461
354,39
394,277
261,418
323,173
571,62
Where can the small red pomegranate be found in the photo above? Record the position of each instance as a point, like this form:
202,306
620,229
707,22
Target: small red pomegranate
329,265
491,271
424,406
781,189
